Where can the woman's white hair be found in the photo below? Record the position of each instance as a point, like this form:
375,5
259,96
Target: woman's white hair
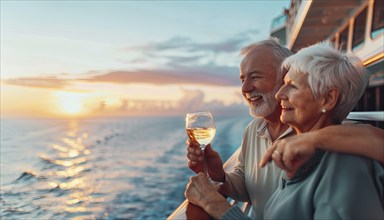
329,68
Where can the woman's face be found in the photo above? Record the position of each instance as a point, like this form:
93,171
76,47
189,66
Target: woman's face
299,107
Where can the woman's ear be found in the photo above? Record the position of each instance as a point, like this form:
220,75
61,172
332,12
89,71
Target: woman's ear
330,99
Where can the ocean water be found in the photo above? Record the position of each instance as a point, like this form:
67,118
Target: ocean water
120,168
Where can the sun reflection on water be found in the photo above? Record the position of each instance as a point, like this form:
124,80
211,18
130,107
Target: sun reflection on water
70,154
70,173
74,144
77,183
59,148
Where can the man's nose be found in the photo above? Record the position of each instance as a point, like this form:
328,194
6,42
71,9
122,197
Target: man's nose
247,86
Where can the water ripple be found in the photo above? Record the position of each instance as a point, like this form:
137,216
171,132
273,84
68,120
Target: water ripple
95,169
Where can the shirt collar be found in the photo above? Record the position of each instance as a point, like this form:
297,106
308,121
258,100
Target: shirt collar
263,132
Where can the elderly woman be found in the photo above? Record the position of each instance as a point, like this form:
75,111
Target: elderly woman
320,88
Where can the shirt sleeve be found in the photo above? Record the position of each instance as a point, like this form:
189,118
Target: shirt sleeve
351,188
234,213
234,185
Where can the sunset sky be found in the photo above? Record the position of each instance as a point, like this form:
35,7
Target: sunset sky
115,58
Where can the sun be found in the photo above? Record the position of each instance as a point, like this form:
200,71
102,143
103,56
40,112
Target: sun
70,103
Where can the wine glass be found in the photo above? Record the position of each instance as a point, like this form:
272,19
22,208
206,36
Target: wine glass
201,128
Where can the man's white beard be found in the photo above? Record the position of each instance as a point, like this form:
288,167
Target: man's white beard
266,108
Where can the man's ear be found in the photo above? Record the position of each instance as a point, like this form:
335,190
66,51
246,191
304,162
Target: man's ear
330,99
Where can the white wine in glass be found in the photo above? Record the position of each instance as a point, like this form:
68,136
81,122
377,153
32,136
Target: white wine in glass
201,128
203,136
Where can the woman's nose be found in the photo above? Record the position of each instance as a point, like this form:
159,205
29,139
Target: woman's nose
280,95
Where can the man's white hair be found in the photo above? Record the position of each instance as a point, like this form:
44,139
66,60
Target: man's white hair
279,51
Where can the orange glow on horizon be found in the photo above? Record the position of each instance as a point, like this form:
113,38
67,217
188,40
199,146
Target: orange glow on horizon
70,103
104,101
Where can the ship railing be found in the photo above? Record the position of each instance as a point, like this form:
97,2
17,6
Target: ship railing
367,116
189,211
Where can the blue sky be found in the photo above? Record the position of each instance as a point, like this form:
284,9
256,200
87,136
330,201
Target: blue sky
80,46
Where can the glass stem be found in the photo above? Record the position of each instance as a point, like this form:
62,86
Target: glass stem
205,167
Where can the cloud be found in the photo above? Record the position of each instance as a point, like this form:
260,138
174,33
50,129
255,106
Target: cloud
228,46
178,60
186,44
191,101
202,76
180,51
40,82
208,75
